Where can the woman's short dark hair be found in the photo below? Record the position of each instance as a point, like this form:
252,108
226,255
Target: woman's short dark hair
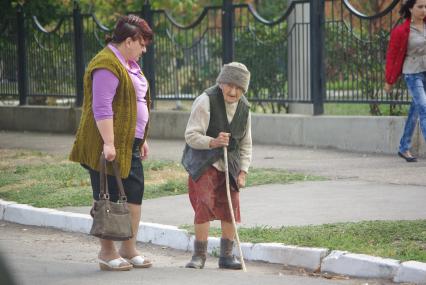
405,8
131,26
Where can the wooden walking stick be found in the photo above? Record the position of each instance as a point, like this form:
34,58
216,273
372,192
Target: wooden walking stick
231,209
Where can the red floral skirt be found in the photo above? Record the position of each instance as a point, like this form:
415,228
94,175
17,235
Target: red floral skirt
209,200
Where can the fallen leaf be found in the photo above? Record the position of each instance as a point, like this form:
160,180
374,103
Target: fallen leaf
335,277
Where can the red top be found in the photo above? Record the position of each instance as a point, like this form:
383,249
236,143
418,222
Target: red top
397,50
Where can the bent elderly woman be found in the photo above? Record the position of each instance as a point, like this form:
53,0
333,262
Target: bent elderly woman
114,121
220,117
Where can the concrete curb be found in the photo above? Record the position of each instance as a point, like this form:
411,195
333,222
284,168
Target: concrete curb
314,259
361,265
411,271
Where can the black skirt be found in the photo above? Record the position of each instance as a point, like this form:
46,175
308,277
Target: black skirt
133,184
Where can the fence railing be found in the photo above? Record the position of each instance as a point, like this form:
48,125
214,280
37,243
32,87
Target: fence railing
9,62
317,51
355,53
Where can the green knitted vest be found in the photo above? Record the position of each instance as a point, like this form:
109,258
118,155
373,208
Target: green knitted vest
88,144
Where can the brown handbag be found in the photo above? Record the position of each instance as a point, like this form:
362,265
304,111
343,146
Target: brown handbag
111,220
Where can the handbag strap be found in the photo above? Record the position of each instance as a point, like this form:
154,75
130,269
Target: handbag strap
104,193
116,169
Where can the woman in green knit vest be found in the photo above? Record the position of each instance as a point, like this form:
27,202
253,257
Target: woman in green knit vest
114,121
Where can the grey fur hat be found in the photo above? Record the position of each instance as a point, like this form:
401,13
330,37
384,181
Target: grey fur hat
235,73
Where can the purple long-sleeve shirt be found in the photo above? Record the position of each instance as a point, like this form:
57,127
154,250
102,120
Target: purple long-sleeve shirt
104,86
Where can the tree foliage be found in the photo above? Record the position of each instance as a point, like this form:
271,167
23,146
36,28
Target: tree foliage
184,11
270,9
370,7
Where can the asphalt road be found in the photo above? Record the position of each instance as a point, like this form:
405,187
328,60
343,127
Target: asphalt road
43,256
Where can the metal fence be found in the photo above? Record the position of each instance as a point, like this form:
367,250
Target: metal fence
335,54
188,58
50,59
8,57
355,53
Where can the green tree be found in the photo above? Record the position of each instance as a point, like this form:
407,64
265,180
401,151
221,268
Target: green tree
43,9
270,9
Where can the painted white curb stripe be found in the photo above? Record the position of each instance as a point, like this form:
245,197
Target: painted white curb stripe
170,236
360,265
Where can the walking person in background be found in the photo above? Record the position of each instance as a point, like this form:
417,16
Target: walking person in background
114,121
407,54
220,117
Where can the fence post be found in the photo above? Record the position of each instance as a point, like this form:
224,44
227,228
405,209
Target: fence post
298,59
148,58
78,49
22,56
227,31
317,15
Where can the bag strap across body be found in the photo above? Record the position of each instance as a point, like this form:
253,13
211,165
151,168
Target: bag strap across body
104,193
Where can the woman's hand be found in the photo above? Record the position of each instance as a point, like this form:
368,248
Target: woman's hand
388,87
109,151
242,179
221,140
144,150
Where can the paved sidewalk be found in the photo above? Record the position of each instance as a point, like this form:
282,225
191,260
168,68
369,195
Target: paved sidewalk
331,163
360,186
316,202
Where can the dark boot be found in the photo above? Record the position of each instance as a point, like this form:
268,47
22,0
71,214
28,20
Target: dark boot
226,259
199,257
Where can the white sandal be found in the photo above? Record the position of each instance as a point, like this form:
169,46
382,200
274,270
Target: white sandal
115,265
139,262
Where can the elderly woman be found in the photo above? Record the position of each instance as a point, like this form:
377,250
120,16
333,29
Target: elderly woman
220,117
114,121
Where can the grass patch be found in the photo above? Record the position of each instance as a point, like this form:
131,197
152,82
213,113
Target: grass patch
262,176
43,180
403,240
46,185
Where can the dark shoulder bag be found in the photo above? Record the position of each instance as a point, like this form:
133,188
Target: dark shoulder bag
111,220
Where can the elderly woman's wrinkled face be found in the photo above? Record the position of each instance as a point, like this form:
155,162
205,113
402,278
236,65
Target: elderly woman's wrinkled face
231,92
